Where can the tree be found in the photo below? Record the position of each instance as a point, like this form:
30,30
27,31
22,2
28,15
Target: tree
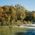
20,11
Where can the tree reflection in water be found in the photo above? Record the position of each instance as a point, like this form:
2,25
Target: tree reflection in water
29,32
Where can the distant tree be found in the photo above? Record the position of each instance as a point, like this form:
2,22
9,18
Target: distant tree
33,14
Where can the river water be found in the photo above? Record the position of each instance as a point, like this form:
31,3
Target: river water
28,32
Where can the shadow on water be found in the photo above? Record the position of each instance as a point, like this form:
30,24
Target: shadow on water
28,32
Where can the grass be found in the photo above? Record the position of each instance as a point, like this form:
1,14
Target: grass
6,30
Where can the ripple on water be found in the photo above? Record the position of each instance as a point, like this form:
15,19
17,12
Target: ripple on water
28,32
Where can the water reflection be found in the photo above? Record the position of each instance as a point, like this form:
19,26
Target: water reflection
28,32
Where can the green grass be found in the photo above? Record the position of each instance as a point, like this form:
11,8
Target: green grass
6,30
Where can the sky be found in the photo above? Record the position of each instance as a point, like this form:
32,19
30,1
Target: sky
28,4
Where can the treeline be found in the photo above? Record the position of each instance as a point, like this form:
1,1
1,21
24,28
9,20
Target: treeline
15,15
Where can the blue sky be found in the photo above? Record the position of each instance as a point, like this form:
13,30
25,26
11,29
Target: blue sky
28,4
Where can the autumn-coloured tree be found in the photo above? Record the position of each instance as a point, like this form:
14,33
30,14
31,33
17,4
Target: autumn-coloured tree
12,14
